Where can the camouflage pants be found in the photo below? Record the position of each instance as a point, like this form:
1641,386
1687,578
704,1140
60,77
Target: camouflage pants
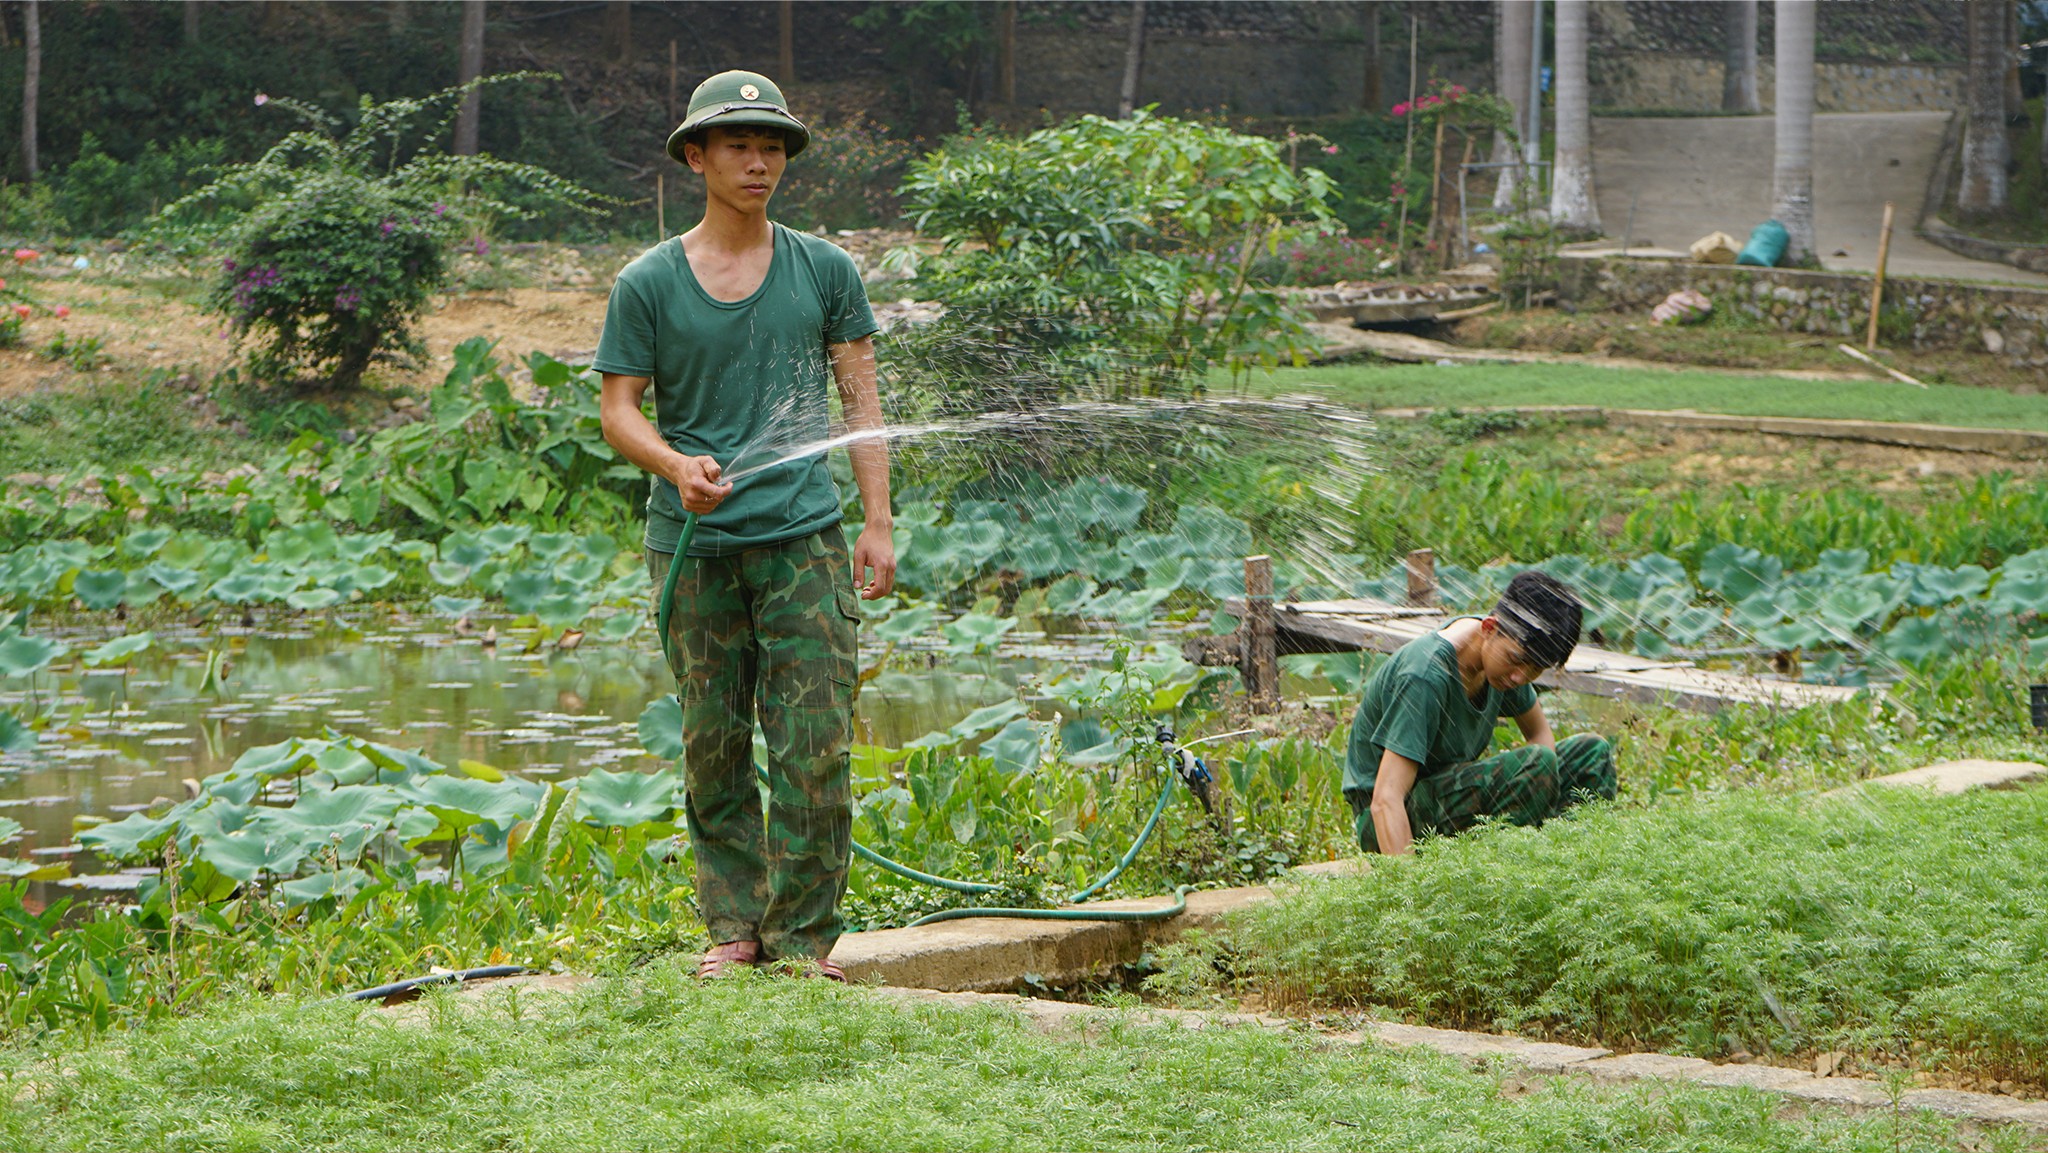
768,631
1527,786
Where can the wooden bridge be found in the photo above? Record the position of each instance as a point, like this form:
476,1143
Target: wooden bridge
1270,630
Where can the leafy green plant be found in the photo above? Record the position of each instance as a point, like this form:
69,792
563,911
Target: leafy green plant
347,233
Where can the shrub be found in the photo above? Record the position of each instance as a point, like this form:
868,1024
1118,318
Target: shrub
1102,242
846,179
99,194
1325,259
348,233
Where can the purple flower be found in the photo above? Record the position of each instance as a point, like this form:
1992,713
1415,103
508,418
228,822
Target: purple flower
482,246
440,209
390,226
347,300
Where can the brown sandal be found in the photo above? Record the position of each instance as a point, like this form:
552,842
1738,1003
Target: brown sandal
719,958
812,967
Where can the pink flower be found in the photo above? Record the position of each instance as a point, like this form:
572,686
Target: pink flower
1401,109
1331,149
261,100
21,310
24,254
63,310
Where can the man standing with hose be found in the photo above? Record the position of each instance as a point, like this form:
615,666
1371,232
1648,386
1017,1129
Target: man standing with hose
738,324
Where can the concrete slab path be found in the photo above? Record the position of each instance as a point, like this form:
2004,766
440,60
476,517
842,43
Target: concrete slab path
1690,176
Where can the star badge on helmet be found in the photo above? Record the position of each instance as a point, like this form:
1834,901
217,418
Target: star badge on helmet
749,92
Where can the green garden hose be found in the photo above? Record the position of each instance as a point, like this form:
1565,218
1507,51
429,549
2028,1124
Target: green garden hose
664,610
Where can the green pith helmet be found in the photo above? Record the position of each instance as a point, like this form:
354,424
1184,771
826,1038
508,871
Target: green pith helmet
736,97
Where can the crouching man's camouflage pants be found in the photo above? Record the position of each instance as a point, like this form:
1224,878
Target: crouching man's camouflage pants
770,629
1528,786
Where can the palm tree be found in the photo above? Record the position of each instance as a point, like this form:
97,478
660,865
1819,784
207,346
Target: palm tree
31,84
1513,26
1134,62
1792,169
1738,84
1985,149
1571,188
470,67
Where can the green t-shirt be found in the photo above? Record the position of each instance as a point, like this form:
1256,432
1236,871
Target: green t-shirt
1415,704
735,380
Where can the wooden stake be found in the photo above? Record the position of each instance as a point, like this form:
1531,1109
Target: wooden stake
660,207
1407,158
1884,248
1436,188
673,116
1422,578
1259,661
1448,262
1887,369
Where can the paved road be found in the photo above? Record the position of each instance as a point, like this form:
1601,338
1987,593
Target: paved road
1690,176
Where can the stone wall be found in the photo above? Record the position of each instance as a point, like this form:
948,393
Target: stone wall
1693,83
2009,322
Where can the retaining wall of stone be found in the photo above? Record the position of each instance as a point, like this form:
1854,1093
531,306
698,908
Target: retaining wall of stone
2009,322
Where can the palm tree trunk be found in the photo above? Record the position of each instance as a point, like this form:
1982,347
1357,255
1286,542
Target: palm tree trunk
1738,84
31,84
1792,168
1006,53
1985,149
785,42
1369,94
1134,61
471,67
1511,31
618,31
1571,189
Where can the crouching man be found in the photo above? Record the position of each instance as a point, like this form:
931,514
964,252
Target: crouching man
1414,764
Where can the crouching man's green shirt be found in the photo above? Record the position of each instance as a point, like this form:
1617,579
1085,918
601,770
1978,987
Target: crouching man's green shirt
739,381
1415,704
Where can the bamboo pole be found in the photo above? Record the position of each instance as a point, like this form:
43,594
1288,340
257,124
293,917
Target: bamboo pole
1436,188
1407,158
660,207
1884,249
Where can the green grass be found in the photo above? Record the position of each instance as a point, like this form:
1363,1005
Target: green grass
1892,924
657,1061
1510,385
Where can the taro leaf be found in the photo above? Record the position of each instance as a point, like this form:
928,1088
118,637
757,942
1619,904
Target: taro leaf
1756,611
120,649
1844,563
622,800
620,626
986,718
548,546
1691,626
1791,636
562,610
1210,531
237,588
1117,507
246,854
447,572
964,822
21,656
1917,640
1069,596
1735,573
133,836
1659,571
170,578
906,624
1850,607
976,632
1087,742
661,727
502,538
101,589
456,606
312,600
145,542
341,884
461,802
15,737
1018,747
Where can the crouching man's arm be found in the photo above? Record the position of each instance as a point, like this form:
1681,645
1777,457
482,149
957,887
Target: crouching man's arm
1536,728
1390,803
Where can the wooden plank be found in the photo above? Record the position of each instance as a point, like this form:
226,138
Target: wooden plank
1365,623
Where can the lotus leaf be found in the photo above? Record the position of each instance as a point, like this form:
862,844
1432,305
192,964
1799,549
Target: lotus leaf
461,802
622,800
906,624
661,727
1917,640
2023,592
1169,575
1931,586
1104,565
1691,626
245,855
341,884
1131,607
562,610
1851,606
312,600
1219,578
278,586
415,550
345,765
1844,563
1018,747
465,550
1735,573
1212,532
1650,644
502,538
283,759
1149,550
120,649
986,719
2033,563
395,765
370,577
1116,507
994,511
100,589
22,656
145,542
134,836
171,579
581,571
343,806
620,626
237,588
15,737
549,546
1038,553
1069,596
525,590
599,547
976,632
1792,635
448,606
1087,742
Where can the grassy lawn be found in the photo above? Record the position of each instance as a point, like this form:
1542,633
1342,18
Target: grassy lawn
1504,385
1891,924
657,1061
